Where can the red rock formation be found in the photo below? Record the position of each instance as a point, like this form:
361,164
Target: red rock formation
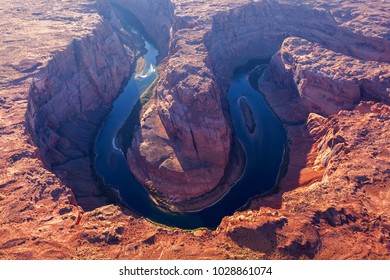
73,96
260,28
326,81
333,202
172,151
335,183
171,154
156,16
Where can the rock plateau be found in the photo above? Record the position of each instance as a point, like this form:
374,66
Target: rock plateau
64,62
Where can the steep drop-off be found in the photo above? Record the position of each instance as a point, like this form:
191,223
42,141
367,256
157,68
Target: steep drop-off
333,202
326,81
258,30
156,17
332,68
171,153
68,104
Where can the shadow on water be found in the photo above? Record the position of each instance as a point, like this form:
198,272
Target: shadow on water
263,148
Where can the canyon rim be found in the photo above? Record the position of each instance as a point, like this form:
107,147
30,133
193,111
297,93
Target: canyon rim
63,63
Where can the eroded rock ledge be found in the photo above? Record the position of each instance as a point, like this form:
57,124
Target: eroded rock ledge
325,81
171,153
68,104
332,204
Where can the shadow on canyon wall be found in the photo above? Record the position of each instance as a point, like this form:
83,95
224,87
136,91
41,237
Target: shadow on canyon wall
63,120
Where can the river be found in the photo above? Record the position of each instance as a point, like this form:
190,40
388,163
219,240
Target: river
264,150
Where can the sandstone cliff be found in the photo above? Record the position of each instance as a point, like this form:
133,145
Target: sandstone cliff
333,202
68,103
327,81
258,30
336,185
156,17
171,153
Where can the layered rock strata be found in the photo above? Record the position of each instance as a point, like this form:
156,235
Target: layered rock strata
335,189
71,98
156,17
325,81
260,28
171,153
333,202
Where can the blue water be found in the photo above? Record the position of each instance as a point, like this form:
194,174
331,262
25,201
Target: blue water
264,152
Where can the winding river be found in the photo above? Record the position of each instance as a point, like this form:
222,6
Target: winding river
264,149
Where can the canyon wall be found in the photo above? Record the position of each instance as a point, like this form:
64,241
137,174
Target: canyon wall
171,152
335,186
326,81
257,30
333,202
68,104
156,17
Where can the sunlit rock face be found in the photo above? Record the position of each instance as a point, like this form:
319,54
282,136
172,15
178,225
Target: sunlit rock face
183,144
333,202
327,81
260,29
171,152
72,96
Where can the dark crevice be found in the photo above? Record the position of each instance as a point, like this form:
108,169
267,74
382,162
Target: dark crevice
194,143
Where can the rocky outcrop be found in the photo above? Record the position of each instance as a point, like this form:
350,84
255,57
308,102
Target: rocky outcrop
69,102
257,30
171,151
327,81
343,163
333,202
156,17
171,154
